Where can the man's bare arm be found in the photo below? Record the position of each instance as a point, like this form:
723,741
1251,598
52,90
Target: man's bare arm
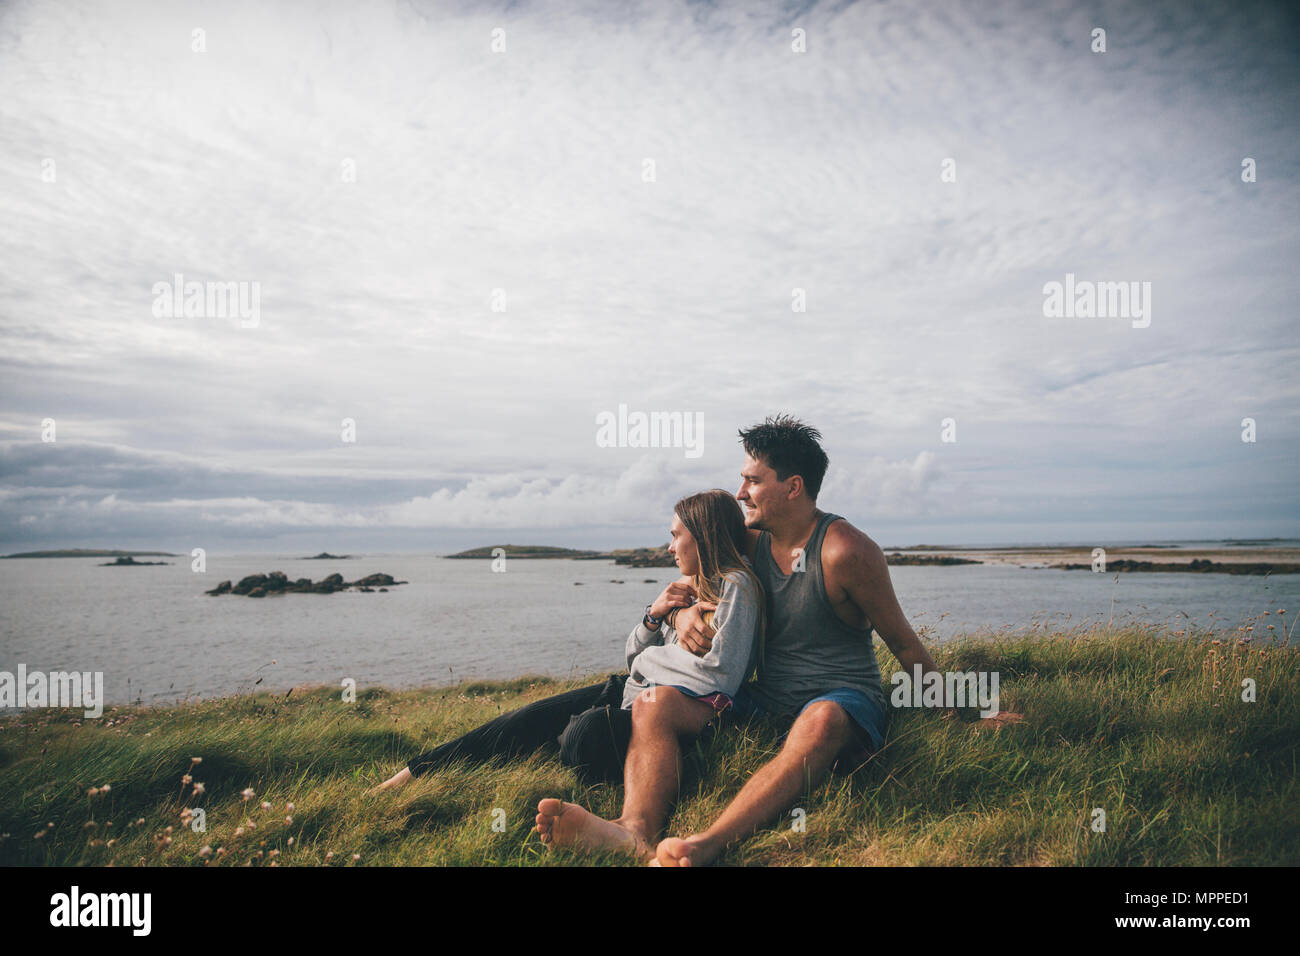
859,567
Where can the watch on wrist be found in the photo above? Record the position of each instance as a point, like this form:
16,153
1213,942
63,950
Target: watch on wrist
650,620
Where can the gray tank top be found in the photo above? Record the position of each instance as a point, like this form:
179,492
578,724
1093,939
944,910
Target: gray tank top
807,649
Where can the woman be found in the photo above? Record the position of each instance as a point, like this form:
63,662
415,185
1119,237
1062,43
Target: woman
590,727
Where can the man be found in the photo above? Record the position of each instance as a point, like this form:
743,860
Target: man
827,586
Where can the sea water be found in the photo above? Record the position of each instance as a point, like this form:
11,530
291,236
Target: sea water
158,638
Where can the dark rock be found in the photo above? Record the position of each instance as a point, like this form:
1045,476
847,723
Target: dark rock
278,583
928,559
374,580
1195,566
248,583
646,558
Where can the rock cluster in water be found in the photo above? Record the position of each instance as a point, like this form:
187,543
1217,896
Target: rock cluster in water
277,582
928,559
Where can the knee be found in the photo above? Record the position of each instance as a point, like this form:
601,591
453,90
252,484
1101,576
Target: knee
824,725
581,737
592,745
656,706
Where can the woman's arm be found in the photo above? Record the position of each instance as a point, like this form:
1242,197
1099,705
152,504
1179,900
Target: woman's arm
641,639
727,663
678,594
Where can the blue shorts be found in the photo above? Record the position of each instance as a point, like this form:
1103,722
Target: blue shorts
868,717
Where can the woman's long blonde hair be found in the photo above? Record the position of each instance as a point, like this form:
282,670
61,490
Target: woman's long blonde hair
715,521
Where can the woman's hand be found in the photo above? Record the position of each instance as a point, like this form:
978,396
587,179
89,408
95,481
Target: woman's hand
677,594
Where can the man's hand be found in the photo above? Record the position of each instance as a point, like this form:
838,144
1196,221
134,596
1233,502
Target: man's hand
677,594
993,720
692,633
1003,717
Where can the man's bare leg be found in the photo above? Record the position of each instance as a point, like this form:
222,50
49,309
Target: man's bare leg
818,735
651,778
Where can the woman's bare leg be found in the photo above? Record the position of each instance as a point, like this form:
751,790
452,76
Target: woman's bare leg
398,779
527,730
652,776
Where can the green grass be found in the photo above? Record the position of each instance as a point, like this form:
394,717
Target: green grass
1147,725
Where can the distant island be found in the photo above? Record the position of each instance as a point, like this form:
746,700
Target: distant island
527,551
654,557
631,557
928,559
326,556
130,562
1195,566
93,553
1141,558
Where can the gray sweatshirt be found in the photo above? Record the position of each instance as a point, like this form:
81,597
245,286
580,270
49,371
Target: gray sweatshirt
654,658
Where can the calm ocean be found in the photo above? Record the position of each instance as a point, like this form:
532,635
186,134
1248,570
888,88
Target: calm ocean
157,637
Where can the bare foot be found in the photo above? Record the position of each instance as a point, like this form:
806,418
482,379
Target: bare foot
398,779
569,825
691,851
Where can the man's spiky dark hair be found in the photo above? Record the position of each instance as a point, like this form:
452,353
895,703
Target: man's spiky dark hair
788,447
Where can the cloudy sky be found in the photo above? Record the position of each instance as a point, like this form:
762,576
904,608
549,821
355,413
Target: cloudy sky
473,228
